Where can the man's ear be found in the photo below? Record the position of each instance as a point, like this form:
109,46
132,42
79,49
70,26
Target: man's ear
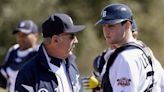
128,25
56,38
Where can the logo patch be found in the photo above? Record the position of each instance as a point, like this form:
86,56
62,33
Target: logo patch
104,14
123,82
42,90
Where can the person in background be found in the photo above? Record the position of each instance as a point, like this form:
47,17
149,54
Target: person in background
53,69
25,48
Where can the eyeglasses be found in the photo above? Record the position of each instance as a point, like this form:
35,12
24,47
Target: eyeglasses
72,35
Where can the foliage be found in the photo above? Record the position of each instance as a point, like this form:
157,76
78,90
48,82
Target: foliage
148,14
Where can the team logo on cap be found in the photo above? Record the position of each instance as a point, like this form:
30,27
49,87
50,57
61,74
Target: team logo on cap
123,82
22,24
123,9
104,14
42,90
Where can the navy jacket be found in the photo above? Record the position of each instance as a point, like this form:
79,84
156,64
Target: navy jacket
36,76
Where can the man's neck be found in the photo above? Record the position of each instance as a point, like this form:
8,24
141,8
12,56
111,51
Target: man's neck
125,41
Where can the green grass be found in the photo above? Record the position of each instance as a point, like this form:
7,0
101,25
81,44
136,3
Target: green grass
2,90
84,90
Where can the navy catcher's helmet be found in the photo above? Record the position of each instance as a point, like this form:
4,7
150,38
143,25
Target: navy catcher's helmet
134,26
115,13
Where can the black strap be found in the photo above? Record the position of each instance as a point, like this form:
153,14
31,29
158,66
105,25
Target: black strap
106,85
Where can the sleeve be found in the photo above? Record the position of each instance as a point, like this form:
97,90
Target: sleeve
3,73
162,81
3,81
124,75
24,82
160,70
14,47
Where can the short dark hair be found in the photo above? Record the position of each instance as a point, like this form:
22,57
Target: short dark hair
122,23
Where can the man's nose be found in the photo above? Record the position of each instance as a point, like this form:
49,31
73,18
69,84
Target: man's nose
75,39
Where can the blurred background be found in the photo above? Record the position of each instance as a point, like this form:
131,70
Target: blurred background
148,14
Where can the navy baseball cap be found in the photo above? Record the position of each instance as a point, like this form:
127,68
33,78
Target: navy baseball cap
26,26
59,23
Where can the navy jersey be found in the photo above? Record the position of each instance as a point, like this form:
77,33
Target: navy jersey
14,60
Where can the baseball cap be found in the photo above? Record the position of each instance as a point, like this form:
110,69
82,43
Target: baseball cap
59,23
26,26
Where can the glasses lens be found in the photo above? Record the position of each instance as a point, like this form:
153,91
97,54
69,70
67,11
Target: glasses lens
72,36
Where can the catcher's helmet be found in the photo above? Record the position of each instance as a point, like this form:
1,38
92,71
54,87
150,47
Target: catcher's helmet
115,13
134,26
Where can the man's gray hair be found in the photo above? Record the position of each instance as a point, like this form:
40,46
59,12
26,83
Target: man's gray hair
46,41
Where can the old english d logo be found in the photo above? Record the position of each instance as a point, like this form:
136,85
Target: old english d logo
104,14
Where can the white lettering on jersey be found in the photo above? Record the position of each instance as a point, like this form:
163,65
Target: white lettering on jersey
29,88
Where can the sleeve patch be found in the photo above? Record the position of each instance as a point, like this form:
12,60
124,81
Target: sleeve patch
123,82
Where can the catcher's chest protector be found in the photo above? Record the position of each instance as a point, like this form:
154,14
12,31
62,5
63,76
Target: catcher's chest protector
106,85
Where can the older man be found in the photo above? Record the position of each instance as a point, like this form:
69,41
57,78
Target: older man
54,68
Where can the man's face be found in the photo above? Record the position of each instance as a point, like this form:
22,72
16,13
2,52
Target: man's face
67,42
26,40
114,34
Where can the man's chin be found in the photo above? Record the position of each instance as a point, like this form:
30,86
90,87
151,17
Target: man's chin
71,50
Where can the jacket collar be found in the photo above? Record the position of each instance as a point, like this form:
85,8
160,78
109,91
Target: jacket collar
55,61
45,58
42,57
44,62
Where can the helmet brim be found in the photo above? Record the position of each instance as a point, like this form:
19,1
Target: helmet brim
103,21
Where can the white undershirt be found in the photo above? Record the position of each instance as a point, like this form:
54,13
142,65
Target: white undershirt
23,53
60,72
